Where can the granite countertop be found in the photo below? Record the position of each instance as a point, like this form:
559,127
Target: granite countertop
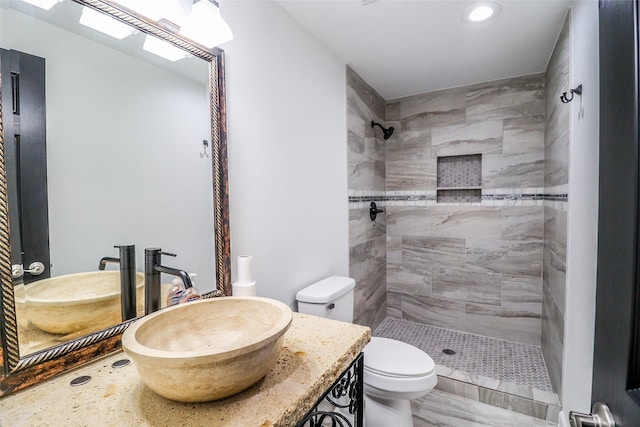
316,351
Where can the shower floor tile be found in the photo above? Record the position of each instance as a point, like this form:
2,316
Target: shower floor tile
489,362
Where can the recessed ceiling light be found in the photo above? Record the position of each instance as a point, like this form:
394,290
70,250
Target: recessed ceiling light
480,12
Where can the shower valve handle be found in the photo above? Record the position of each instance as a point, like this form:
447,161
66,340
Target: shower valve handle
374,211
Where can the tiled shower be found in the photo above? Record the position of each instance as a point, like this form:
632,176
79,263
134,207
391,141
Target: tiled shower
473,184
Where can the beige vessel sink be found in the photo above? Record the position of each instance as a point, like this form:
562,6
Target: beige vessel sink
77,302
208,349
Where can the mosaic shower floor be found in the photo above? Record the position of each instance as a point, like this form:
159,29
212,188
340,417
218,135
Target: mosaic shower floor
481,359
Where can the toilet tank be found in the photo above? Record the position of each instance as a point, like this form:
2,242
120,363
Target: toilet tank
331,298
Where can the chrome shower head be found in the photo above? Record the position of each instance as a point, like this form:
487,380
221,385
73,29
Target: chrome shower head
386,133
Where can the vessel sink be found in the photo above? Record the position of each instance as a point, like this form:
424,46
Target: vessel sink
207,349
84,302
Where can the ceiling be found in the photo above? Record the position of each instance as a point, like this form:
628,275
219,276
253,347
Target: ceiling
404,48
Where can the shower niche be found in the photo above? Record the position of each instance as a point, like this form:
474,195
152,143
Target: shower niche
459,179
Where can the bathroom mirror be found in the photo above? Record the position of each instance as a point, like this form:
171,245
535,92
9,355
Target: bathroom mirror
154,187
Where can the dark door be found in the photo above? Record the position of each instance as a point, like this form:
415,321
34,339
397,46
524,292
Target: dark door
616,373
23,119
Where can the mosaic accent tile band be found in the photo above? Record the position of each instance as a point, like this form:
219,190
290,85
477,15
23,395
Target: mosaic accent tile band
419,198
476,354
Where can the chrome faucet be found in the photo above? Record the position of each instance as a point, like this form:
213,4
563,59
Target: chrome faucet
152,270
127,262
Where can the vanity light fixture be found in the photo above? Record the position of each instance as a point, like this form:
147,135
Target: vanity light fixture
205,25
43,4
480,12
104,23
163,49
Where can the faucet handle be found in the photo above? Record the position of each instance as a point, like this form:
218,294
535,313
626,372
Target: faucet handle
168,254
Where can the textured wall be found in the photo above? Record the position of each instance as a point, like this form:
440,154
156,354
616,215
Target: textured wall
471,267
367,242
556,174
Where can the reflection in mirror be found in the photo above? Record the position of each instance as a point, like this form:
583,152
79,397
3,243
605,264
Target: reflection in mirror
117,148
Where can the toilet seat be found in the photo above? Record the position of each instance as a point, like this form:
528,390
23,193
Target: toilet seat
395,366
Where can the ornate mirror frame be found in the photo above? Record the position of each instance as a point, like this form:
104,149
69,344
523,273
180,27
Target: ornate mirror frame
19,372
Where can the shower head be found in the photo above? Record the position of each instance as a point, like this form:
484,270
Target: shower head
385,132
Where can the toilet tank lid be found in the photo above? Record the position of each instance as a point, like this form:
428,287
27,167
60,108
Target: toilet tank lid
326,290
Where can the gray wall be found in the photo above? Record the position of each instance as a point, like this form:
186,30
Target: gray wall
367,241
557,138
474,267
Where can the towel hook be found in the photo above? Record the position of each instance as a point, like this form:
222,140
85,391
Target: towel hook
577,90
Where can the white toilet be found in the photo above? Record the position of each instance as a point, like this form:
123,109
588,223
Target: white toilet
394,372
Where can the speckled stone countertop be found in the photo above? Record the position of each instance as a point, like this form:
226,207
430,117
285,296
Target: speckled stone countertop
316,351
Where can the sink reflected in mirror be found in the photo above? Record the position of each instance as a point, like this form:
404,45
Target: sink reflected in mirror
208,349
64,307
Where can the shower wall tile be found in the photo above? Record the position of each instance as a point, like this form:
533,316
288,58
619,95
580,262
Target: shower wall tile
517,97
394,308
465,285
366,172
522,293
504,256
410,175
519,170
523,135
408,220
466,222
552,339
522,223
409,145
472,267
411,280
422,251
433,311
433,109
484,137
556,152
512,325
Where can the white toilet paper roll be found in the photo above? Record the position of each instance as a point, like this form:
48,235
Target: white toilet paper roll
244,269
243,289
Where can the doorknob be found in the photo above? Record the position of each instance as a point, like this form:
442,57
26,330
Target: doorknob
600,416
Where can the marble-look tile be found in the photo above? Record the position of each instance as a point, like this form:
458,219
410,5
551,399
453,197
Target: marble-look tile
392,111
365,92
357,226
464,285
516,97
523,135
408,220
459,388
409,279
519,326
433,251
557,116
516,171
433,108
362,173
440,409
394,249
466,222
555,277
355,142
477,138
374,148
411,175
552,339
548,397
504,256
513,403
394,308
522,293
523,223
555,231
433,311
409,145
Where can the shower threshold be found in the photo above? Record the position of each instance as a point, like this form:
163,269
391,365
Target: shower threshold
501,373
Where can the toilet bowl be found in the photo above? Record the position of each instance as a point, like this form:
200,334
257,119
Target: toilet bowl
394,372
